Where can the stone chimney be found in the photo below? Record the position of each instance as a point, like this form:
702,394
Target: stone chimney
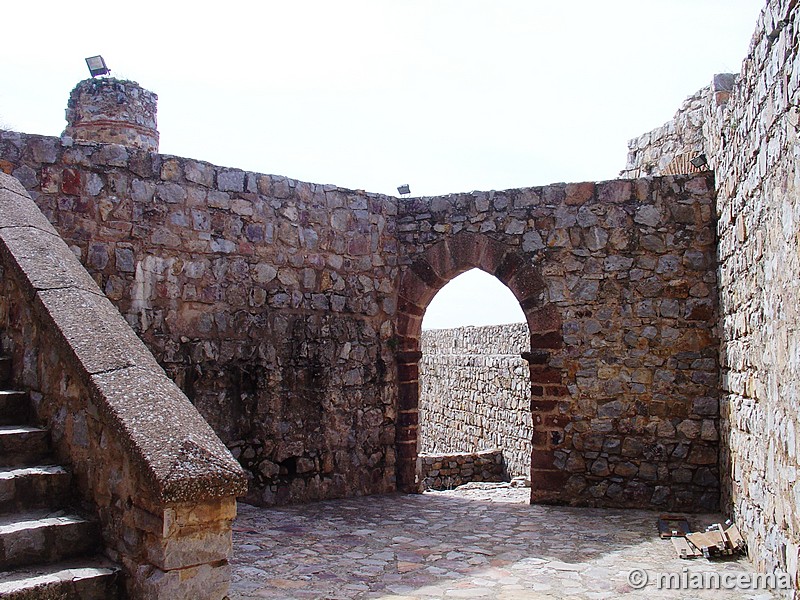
113,111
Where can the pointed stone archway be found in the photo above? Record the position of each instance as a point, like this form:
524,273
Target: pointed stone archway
419,283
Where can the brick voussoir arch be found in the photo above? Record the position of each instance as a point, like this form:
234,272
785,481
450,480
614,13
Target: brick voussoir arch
419,283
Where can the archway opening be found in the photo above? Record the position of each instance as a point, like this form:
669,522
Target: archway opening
475,419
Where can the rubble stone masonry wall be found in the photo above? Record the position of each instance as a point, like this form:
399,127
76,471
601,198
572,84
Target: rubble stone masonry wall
475,391
269,301
163,485
617,281
750,135
289,314
446,471
757,162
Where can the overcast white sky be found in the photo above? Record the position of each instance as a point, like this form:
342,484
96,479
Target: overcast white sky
445,95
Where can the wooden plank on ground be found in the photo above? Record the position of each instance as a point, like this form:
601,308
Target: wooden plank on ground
684,548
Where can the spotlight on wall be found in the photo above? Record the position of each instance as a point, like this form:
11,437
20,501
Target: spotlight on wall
97,66
699,161
404,189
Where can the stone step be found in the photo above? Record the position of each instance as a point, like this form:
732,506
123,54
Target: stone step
84,580
23,445
39,537
27,488
14,407
5,370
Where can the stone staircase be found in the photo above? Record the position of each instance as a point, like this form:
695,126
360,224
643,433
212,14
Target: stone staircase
47,550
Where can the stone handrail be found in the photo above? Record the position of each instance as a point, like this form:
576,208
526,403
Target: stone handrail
163,483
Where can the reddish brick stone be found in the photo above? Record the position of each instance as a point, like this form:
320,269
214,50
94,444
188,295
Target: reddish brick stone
536,358
408,395
527,287
545,375
407,433
71,182
510,265
407,306
540,439
426,273
408,356
544,319
556,420
407,418
415,289
409,326
441,260
467,249
407,450
542,459
408,372
547,340
548,479
543,406
557,391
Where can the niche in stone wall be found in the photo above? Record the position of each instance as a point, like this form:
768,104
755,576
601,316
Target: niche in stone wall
474,384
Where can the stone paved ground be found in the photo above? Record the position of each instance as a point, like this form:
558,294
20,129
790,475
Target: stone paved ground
485,542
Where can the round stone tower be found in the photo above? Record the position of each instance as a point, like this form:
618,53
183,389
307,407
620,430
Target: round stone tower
113,111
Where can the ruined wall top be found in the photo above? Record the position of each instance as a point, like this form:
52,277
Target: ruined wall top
113,111
670,149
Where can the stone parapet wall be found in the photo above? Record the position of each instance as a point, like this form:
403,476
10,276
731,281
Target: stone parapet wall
162,483
448,471
289,313
475,393
617,281
269,301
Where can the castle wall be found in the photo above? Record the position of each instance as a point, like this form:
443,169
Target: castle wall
750,135
758,180
286,312
475,393
617,281
268,301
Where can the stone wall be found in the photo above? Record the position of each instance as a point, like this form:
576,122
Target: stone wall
668,150
162,484
269,301
750,135
618,284
758,180
448,471
475,393
290,313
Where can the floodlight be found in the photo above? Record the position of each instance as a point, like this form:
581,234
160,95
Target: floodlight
97,66
699,161
404,189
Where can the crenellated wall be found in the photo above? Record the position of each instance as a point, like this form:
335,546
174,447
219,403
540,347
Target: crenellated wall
475,392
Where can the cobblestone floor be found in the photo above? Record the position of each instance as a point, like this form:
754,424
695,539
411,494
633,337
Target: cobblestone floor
479,543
